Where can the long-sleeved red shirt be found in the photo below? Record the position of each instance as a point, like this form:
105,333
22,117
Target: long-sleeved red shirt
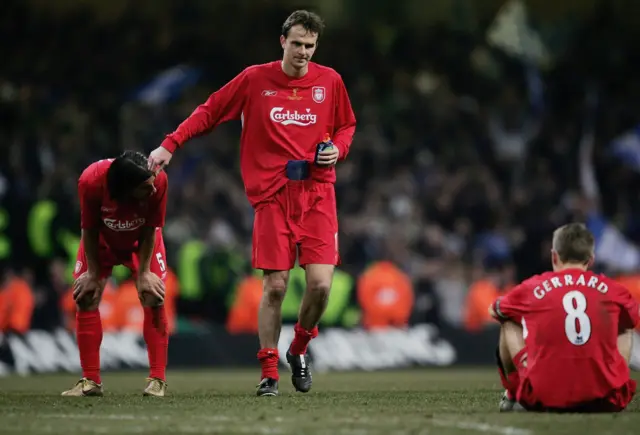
283,118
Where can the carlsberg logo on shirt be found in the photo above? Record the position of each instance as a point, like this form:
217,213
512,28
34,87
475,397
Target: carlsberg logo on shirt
117,225
286,117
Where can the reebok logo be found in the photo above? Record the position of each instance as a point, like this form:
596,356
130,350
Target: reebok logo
131,225
287,117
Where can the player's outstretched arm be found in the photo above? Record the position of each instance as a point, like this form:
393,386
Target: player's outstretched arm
146,244
91,241
86,288
148,283
90,202
223,105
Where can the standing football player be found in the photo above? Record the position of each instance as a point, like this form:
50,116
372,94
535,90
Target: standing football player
122,206
297,123
565,339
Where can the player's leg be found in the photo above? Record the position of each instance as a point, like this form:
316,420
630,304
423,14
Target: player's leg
269,326
510,356
155,330
89,334
314,302
273,252
319,256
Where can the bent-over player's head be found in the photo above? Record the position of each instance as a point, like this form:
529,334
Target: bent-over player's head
573,246
129,177
299,38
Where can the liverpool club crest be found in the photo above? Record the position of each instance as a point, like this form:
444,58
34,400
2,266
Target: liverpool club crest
318,94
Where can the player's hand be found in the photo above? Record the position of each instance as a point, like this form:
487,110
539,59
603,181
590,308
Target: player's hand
159,158
329,156
150,283
86,285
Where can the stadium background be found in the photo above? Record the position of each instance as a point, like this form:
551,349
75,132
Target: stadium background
478,133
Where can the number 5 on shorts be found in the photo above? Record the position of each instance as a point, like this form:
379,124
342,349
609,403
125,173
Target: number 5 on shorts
161,262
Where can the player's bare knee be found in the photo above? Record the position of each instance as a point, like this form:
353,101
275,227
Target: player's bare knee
274,295
319,277
87,304
91,301
511,329
319,288
511,340
149,300
275,286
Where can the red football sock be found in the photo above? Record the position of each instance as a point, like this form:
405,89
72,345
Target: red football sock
269,358
514,382
301,339
156,336
89,335
510,382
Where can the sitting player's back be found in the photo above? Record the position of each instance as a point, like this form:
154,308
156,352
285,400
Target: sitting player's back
571,326
565,340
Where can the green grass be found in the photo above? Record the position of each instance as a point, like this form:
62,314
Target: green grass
415,402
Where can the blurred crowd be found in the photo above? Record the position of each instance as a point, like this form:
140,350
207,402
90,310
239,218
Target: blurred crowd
459,171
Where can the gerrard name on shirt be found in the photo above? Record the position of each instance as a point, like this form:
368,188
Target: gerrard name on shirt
567,281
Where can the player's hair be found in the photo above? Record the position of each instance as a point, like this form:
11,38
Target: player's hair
574,243
309,20
127,171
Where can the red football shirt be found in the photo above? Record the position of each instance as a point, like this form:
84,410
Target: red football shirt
283,118
571,320
119,222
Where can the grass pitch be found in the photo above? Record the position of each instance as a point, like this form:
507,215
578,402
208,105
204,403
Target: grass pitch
414,402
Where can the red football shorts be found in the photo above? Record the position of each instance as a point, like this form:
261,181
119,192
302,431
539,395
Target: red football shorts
300,219
130,259
615,401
